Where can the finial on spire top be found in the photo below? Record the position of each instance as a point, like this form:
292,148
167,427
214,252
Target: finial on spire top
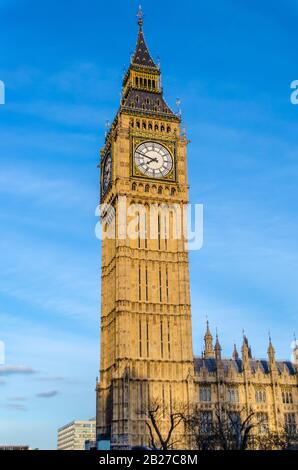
140,16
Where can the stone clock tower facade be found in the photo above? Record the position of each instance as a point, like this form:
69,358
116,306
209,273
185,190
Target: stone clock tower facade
146,336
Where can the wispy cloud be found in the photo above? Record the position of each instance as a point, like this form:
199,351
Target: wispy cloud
16,370
16,407
17,398
50,394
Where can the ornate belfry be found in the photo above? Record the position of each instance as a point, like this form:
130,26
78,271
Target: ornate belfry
146,335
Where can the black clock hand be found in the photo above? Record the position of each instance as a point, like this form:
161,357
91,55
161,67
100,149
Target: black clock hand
149,158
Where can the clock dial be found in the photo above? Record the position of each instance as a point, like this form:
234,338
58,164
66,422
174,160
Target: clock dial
107,172
153,160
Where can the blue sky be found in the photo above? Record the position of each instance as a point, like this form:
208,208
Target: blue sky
231,63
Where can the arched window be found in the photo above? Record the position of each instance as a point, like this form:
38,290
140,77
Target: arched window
137,81
160,190
168,129
156,127
144,125
162,128
138,124
173,192
141,82
150,126
153,83
145,81
147,188
134,186
137,99
149,83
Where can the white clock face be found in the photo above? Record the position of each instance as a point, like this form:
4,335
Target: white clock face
153,160
107,172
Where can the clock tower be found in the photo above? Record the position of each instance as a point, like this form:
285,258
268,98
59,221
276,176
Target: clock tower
146,338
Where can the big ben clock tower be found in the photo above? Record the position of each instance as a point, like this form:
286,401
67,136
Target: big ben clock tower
146,338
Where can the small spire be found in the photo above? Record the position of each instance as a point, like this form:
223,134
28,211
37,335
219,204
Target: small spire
217,347
140,16
208,352
235,353
271,350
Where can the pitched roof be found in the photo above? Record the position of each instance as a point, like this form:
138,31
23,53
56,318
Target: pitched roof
142,55
210,365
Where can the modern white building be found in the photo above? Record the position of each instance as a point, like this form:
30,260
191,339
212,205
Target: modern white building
72,436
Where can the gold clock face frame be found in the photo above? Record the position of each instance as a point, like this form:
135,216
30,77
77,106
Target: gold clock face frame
153,159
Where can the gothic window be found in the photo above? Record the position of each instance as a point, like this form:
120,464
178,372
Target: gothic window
145,81
205,420
149,83
134,186
141,82
173,192
205,393
137,81
160,190
287,397
144,125
138,124
137,99
262,422
147,100
168,129
156,125
143,106
233,395
153,83
158,102
147,188
260,396
162,128
290,423
150,126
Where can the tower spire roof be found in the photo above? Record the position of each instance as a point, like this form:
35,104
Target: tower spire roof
142,55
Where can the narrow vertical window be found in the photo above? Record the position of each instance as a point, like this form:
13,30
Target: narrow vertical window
167,285
139,231
163,401
169,338
140,283
160,286
158,228
171,399
166,232
140,337
161,338
145,223
147,287
147,336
